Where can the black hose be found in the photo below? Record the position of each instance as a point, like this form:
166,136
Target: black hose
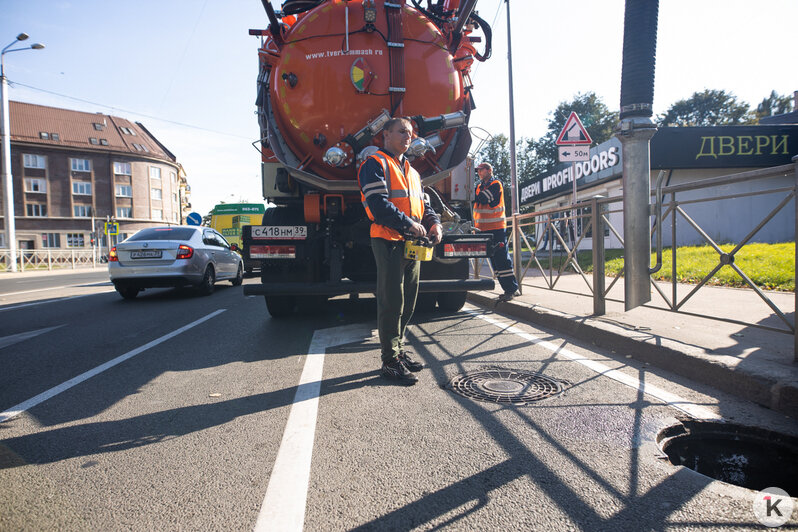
488,38
639,54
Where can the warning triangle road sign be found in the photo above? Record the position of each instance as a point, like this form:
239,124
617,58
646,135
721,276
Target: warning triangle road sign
573,132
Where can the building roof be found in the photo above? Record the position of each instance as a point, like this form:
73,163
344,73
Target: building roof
786,118
81,130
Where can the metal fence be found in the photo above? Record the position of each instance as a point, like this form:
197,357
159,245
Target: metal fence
48,259
565,228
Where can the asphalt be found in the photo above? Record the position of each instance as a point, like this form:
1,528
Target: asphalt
729,338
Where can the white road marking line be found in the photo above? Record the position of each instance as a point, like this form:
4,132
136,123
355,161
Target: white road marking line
52,392
283,507
12,339
671,399
53,300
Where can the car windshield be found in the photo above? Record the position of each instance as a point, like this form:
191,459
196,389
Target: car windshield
164,233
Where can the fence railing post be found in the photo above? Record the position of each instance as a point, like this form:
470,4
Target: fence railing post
596,211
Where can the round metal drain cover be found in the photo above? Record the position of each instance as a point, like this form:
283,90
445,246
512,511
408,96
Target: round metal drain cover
505,386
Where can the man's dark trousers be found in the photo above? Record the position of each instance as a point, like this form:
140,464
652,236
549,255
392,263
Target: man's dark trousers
501,263
397,288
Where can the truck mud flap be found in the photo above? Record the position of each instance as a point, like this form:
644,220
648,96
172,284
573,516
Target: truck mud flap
348,287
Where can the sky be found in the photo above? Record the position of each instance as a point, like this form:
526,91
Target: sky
187,69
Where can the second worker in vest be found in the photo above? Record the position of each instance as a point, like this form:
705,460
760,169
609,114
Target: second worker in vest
489,217
394,200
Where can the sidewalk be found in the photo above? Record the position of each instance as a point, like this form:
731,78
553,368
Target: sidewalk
54,271
708,340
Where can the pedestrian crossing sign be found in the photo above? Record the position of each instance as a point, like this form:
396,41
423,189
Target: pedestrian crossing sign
111,228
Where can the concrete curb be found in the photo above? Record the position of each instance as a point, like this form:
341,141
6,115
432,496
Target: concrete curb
766,388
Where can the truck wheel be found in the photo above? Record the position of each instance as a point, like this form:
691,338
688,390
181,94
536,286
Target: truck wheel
280,306
425,302
452,301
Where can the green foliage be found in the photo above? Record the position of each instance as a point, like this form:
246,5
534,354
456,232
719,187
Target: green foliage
775,104
708,108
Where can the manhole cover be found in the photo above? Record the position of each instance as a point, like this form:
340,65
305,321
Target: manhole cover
505,386
744,456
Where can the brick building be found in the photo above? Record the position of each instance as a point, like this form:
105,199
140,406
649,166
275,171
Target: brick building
73,170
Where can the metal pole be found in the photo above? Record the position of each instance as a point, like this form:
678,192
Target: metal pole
513,168
8,182
795,319
599,305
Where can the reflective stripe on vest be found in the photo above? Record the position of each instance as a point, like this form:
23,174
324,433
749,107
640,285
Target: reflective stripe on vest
403,187
487,218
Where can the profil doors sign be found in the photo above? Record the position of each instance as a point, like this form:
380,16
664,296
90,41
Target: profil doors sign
573,132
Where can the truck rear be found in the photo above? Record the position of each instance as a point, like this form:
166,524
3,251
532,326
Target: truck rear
332,72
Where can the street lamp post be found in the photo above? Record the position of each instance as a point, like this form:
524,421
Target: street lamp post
5,160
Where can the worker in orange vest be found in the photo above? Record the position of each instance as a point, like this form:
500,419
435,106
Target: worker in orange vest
393,197
489,217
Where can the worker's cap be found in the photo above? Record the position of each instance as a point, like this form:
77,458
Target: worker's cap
485,165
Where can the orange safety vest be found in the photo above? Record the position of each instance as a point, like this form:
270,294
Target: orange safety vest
404,191
488,218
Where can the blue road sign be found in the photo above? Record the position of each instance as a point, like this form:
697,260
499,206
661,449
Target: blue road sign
194,218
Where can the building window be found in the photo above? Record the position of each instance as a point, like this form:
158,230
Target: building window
128,131
36,209
104,142
174,198
44,135
155,173
82,188
173,175
94,141
156,193
124,191
81,165
51,240
122,168
55,136
82,211
35,185
34,161
157,214
75,240
124,212
98,127
139,147
174,216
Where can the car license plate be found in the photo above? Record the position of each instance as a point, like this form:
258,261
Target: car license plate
149,254
280,232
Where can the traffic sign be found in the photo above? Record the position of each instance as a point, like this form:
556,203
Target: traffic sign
573,132
574,153
111,228
194,218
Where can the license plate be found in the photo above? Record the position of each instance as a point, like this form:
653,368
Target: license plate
149,254
280,232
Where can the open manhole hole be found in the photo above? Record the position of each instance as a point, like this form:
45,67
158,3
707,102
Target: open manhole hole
505,386
744,456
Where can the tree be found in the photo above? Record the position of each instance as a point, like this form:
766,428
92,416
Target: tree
595,116
708,108
775,104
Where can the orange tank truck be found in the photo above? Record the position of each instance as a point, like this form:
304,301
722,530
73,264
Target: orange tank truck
331,73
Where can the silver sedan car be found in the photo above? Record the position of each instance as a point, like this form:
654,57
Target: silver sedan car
174,256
